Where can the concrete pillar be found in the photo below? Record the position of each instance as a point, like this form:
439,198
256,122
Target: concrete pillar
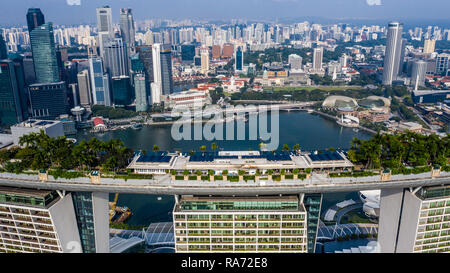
390,210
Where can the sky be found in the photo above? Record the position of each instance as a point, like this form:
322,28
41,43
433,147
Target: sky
67,12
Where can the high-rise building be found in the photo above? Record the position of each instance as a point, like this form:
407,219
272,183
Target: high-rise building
28,69
240,224
402,56
146,57
156,85
3,49
105,26
393,52
37,221
429,46
84,88
162,72
187,53
204,55
141,83
418,220
343,60
101,93
142,92
127,29
317,59
91,212
116,58
13,98
48,100
44,54
216,52
442,64
46,221
419,70
227,51
122,93
35,18
239,59
166,69
295,61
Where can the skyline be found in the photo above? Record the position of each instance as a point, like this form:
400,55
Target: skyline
69,12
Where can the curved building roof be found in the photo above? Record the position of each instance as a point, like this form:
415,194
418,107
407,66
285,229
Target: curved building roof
375,101
340,102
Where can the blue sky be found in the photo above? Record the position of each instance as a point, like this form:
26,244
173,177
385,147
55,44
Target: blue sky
13,12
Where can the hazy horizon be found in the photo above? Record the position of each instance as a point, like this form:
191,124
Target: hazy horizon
69,12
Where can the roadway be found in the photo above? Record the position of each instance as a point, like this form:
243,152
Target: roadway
163,185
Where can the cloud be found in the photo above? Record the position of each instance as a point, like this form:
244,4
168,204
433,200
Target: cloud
77,2
373,2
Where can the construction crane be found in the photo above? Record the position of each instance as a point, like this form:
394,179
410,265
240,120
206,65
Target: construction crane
112,210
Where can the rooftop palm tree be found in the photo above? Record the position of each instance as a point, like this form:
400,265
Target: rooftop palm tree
155,148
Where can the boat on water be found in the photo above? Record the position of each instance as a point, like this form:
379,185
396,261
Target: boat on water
348,121
136,126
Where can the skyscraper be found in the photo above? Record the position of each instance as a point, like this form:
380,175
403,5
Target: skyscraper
105,26
204,54
146,57
122,93
393,52
239,59
419,69
187,53
116,58
101,93
84,88
418,220
47,221
13,99
240,224
35,18
48,100
156,85
442,64
162,71
141,83
127,29
317,59
295,61
142,92
44,54
3,49
429,46
166,69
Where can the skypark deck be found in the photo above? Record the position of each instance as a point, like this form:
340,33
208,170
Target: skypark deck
164,185
233,161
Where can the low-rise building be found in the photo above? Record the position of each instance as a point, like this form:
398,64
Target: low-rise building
410,126
52,128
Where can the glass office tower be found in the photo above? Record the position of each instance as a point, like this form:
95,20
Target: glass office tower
35,18
122,93
13,99
48,100
44,54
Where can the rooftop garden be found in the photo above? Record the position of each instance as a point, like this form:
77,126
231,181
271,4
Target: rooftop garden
405,153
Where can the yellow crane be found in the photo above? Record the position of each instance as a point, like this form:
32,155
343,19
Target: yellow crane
113,207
